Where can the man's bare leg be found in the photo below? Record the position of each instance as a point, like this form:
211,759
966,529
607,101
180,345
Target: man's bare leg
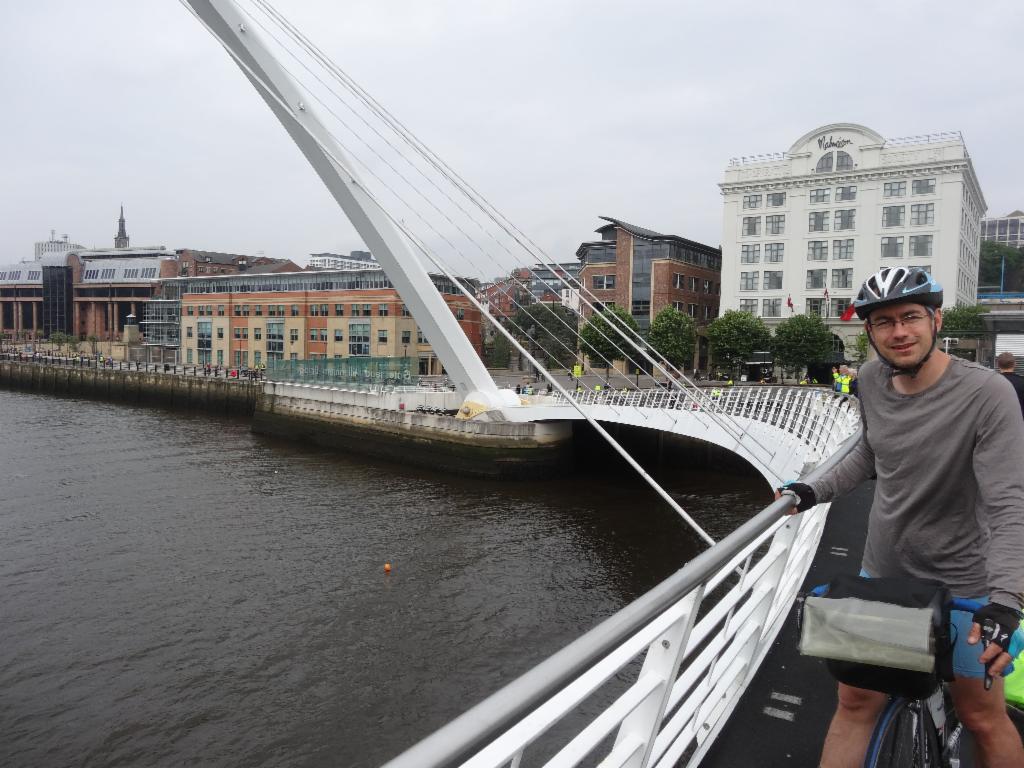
983,713
851,727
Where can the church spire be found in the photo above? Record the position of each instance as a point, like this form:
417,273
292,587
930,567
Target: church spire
121,240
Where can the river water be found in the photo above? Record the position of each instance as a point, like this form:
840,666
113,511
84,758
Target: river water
177,591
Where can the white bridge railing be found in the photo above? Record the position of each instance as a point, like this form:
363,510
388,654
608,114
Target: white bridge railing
654,684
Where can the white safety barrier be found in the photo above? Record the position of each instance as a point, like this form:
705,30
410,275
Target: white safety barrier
674,662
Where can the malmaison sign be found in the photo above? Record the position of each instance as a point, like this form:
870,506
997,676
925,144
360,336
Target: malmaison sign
829,142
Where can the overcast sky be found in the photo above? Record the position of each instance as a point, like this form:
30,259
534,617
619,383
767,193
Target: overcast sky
559,112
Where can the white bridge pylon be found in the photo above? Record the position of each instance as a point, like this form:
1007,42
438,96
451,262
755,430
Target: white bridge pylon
779,430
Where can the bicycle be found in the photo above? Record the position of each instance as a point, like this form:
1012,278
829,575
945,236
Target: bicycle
919,730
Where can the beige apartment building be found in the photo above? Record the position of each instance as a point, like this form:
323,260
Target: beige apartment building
246,320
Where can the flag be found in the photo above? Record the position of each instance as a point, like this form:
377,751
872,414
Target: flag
848,314
789,303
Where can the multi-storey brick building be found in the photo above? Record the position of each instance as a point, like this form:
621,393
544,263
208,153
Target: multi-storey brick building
245,320
645,271
194,263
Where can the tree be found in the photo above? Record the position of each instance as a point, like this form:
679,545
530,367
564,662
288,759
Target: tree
93,340
547,330
735,336
673,335
800,340
861,345
1001,267
601,339
963,319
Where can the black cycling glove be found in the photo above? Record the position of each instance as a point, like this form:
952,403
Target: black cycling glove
804,492
998,623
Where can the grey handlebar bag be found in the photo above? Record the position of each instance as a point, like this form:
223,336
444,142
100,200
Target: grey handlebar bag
888,634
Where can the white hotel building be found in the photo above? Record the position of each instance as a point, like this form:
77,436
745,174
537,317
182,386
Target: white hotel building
808,225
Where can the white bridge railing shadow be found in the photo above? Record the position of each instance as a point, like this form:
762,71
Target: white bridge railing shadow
654,684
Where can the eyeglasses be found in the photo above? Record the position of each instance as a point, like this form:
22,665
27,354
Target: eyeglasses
909,320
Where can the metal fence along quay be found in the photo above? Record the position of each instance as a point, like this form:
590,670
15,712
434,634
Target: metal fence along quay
675,662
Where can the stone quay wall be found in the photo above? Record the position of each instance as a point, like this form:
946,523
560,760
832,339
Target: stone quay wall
377,425
201,393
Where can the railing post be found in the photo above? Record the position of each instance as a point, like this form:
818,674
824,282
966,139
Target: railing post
662,661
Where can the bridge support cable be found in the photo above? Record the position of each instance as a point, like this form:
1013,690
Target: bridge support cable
701,636
271,95
657,361
254,76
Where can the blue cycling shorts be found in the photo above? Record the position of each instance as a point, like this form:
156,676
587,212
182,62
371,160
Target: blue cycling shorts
965,657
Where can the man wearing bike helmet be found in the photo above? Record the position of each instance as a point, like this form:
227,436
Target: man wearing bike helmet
945,439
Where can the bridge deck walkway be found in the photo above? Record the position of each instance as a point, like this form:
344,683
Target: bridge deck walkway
784,714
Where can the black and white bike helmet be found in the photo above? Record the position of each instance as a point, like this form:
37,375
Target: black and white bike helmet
895,285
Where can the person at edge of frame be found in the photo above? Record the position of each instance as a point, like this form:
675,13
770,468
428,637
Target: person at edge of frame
1007,363
946,441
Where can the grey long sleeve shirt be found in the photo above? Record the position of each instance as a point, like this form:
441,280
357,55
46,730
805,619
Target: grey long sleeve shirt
949,501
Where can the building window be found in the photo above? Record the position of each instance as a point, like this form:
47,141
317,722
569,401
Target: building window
892,247
842,249
257,333
894,189
359,339
220,310
921,245
238,310
382,335
771,308
295,310
816,278
405,311
843,161
188,355
641,308
258,310
293,356
108,274
367,310
603,282
819,195
220,357
750,254
294,334
679,279
846,193
748,305
923,186
773,280
922,213
692,284
775,225
237,333
460,313
842,278
924,267
774,252
188,332
776,199
382,310
406,337
691,310
323,310
893,215
257,357
339,310
751,201
707,286
748,280
817,250
817,221
220,333
338,335
845,219
312,334
825,163
839,306
815,307
751,225
190,310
